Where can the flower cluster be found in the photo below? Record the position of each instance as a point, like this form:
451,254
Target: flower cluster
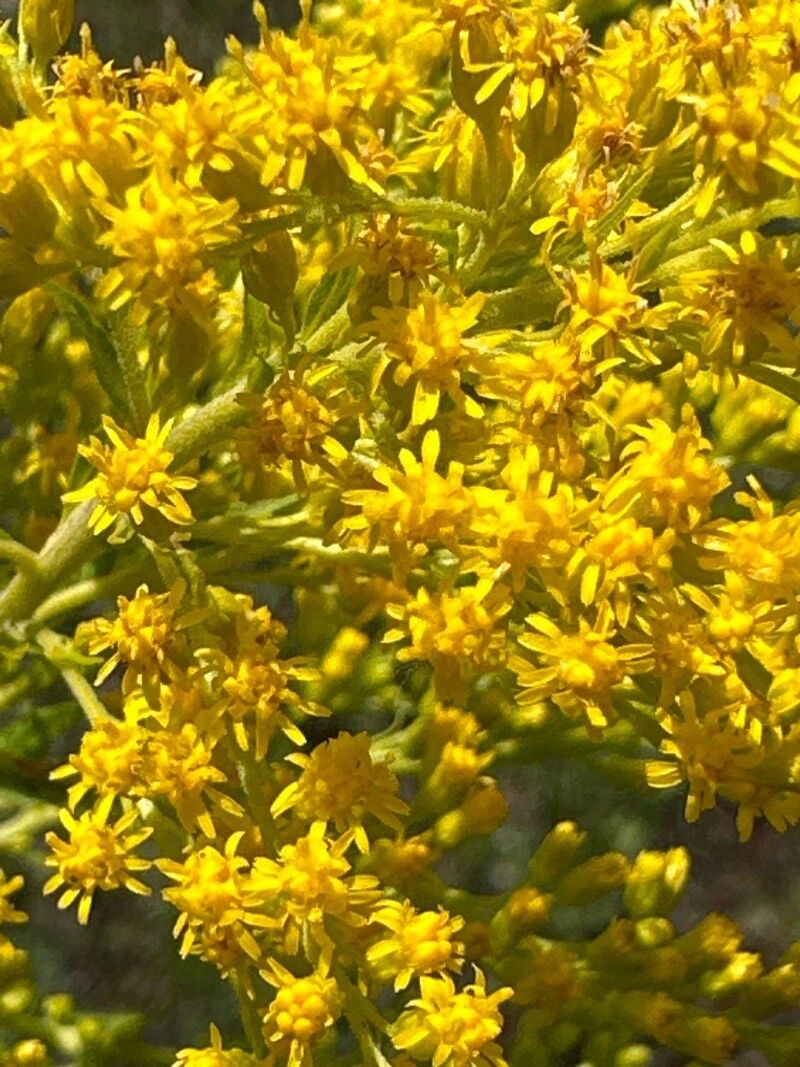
448,366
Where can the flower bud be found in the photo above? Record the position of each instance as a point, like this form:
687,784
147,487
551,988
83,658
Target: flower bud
656,882
30,1053
556,854
482,811
744,968
634,1056
593,879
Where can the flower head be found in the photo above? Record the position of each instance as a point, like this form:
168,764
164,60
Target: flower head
311,880
453,1029
427,345
456,631
301,1011
161,239
96,856
132,474
108,760
290,424
214,1055
145,636
416,506
9,886
418,942
341,784
210,893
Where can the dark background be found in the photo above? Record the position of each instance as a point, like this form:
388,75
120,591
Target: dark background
123,29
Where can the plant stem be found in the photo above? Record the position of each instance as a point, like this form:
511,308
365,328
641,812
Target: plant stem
54,646
76,596
73,541
23,558
250,1021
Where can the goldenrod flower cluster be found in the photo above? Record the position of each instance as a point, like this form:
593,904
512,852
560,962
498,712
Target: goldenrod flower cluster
444,363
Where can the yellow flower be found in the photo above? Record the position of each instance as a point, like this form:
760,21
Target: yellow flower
96,856
301,1011
605,308
145,635
428,347
341,784
50,460
162,239
453,1029
668,472
421,942
310,881
178,764
133,473
457,632
108,761
214,1055
548,48
743,127
398,264
529,524
211,893
255,687
745,306
764,549
290,424
704,750
585,200
583,668
458,765
416,508
9,886
304,115
619,551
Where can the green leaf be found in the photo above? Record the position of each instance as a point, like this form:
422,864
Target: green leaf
774,379
116,365
327,298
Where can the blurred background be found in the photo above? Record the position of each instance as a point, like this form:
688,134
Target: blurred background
123,29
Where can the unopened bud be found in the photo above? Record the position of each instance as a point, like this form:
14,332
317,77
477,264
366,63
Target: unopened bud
656,882
30,1053
593,879
482,811
556,854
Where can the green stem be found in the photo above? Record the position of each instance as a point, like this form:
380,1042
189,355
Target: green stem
692,251
135,385
13,691
784,384
534,301
247,1009
73,541
253,787
66,547
54,646
471,270
195,434
24,559
65,601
